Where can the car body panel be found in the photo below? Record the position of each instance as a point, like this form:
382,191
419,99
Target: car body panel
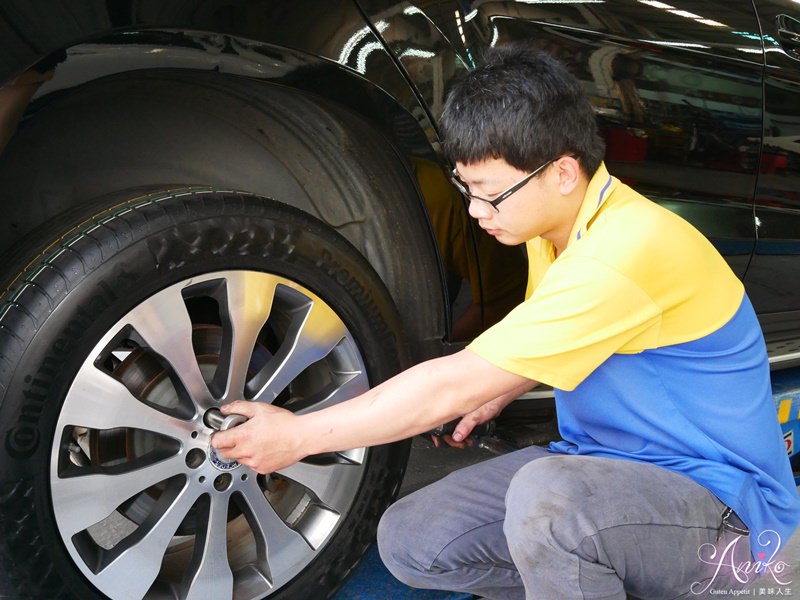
680,92
772,279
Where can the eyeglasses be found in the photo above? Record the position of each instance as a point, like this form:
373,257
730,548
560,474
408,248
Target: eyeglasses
464,188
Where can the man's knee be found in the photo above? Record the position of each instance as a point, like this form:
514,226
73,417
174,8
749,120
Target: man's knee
401,543
391,540
548,500
552,479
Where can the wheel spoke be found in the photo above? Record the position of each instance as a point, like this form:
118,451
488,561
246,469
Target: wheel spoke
278,544
315,331
344,387
135,568
164,324
83,500
317,479
211,575
98,401
249,302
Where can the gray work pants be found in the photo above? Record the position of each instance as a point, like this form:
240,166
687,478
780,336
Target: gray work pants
536,525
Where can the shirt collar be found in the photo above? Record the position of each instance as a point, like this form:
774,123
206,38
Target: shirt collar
600,188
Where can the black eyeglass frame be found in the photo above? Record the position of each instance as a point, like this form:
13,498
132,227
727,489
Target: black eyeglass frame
464,188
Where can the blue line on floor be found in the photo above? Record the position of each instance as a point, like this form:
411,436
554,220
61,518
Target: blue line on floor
371,581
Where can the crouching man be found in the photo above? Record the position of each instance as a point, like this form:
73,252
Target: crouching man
671,479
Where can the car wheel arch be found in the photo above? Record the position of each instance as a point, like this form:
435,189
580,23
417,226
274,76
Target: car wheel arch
155,130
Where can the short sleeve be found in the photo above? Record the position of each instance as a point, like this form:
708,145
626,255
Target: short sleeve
581,313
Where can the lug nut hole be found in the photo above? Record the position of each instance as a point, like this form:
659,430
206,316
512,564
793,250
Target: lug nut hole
195,457
223,482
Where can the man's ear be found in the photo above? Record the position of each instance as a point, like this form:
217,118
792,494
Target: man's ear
570,175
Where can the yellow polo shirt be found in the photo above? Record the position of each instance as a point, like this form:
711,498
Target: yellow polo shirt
634,276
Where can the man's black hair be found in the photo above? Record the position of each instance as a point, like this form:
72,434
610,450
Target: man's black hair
523,106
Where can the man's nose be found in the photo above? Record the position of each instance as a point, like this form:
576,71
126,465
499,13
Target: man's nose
479,210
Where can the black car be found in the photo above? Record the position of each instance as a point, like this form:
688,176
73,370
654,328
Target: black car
214,199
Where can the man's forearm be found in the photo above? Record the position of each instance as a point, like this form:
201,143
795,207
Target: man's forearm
412,402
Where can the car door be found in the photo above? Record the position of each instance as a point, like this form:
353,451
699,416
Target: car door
772,279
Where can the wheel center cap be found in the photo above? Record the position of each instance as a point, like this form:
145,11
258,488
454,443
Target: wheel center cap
223,464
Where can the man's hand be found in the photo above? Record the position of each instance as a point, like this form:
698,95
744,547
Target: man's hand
460,437
267,442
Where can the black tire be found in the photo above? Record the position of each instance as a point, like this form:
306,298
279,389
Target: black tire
102,401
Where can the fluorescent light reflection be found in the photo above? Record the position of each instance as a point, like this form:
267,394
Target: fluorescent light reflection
460,27
416,53
656,4
561,1
685,13
356,38
676,44
366,50
711,23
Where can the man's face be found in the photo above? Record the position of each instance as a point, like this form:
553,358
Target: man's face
536,209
